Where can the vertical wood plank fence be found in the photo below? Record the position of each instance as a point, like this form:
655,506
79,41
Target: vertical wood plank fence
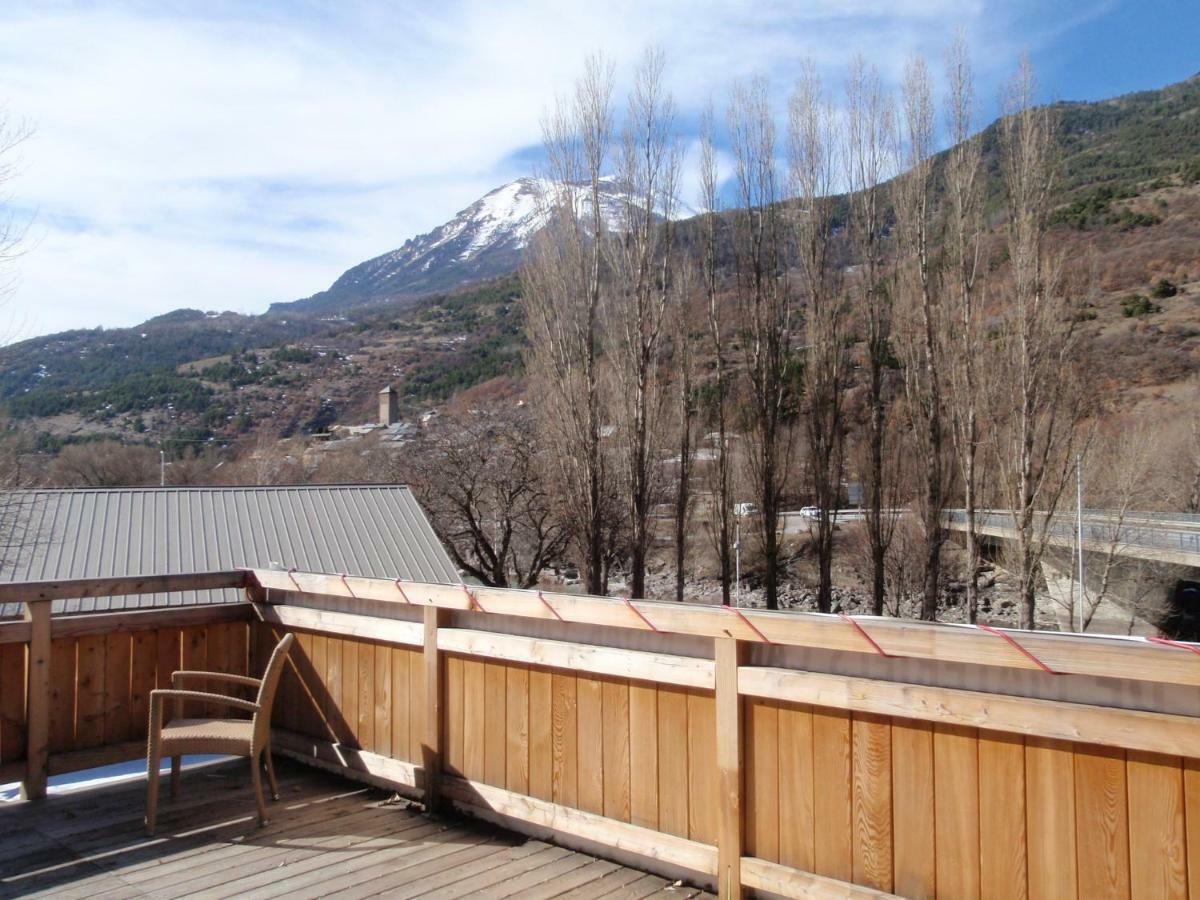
794,754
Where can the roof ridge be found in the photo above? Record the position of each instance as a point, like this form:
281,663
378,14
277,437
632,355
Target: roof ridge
179,488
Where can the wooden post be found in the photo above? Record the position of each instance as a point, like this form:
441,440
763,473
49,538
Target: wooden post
728,655
431,745
37,715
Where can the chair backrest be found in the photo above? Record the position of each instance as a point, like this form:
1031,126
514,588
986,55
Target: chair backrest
266,691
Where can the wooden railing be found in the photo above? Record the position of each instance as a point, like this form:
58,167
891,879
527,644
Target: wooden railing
74,690
792,753
798,754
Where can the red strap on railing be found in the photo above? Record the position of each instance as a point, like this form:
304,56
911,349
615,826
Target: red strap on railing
403,596
1008,637
546,603
737,612
639,614
475,604
293,579
870,640
1167,642
348,588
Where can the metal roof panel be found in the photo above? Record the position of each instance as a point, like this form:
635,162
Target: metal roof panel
55,534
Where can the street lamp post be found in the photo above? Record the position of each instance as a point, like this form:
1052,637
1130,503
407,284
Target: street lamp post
737,557
1079,527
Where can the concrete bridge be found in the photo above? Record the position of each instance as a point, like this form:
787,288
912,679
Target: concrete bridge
1157,537
1152,562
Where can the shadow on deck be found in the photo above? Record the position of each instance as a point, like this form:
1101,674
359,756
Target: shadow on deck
328,837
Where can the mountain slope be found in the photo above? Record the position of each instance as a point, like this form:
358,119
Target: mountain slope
1130,191
481,242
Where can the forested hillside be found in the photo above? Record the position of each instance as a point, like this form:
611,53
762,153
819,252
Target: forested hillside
1130,186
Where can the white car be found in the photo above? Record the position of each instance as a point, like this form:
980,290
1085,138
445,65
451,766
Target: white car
745,509
811,513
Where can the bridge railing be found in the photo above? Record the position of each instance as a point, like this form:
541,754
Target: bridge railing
1132,532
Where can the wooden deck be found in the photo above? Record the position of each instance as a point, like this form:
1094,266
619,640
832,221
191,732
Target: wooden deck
327,837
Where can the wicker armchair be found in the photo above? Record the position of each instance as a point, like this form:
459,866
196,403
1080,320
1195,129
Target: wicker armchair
236,737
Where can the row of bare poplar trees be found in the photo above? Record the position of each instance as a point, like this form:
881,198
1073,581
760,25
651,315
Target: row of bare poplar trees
871,308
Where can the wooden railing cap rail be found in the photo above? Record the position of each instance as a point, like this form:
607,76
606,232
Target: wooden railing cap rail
1061,654
119,586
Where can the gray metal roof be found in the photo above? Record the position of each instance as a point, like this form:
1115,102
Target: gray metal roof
373,530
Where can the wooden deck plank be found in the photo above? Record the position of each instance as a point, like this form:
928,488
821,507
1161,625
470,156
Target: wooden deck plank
318,878
611,882
313,866
587,874
518,887
155,863
302,863
73,816
521,859
646,886
410,877
228,845
119,832
327,836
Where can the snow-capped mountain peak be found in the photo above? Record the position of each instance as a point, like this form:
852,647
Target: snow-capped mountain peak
482,241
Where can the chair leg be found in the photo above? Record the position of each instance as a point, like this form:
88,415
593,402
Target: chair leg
271,774
175,761
256,778
152,766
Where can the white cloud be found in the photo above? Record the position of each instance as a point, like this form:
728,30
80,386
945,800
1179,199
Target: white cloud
226,155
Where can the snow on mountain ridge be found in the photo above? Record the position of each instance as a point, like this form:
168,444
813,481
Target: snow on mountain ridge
482,241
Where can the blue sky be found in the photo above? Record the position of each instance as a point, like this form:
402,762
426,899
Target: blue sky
224,155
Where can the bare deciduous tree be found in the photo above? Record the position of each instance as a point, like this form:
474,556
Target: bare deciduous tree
12,135
764,311
963,318
478,476
104,464
562,282
685,341
721,514
1032,389
869,125
920,334
641,261
813,162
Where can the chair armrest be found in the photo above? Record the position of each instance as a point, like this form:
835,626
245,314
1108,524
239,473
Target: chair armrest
160,694
183,674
